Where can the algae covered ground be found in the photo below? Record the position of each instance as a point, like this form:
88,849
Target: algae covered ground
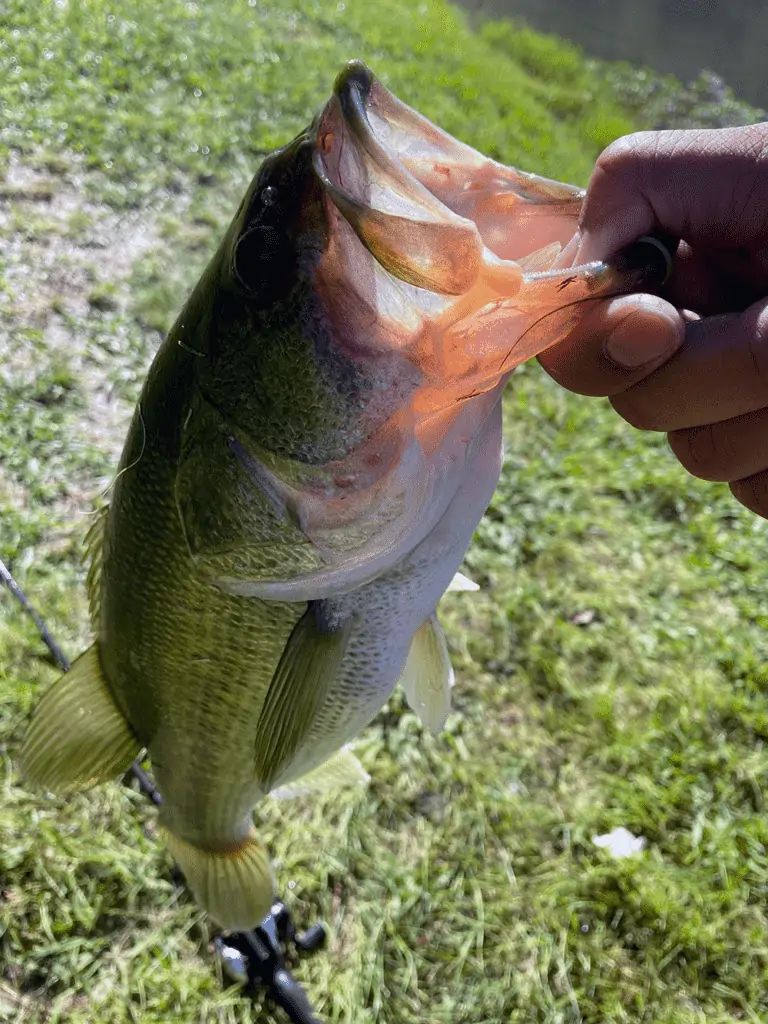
611,672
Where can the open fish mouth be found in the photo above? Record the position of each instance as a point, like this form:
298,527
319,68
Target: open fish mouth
435,280
439,215
370,148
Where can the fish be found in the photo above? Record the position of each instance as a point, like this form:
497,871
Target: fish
315,443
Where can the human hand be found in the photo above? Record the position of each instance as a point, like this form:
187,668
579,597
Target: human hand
692,361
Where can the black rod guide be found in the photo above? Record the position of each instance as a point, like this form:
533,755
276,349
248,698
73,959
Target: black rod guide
256,958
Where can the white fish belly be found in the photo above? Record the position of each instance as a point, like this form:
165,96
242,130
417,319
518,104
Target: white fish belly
390,609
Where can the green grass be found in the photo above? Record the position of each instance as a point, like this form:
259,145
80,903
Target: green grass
612,671
573,85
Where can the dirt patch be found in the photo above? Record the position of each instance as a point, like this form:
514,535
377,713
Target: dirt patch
63,256
66,263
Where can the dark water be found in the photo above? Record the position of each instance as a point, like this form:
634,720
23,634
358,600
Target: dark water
729,37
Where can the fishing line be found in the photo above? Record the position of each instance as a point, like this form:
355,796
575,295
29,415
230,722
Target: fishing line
56,652
138,458
479,390
657,264
546,316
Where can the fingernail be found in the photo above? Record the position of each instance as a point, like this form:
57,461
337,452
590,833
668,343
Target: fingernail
641,339
589,247
568,254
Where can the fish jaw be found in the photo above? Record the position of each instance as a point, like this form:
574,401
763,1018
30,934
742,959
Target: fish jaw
442,218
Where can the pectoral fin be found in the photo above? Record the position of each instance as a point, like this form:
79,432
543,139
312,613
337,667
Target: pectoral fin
341,770
428,676
78,737
307,668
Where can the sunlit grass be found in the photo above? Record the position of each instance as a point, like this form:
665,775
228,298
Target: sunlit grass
610,672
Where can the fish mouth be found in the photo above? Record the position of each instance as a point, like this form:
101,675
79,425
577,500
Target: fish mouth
409,232
437,214
429,208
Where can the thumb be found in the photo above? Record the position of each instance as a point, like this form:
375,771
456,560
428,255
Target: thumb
616,345
720,372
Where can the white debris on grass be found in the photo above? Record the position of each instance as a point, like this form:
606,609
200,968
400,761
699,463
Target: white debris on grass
620,842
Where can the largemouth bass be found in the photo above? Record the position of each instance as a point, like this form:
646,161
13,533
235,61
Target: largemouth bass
314,446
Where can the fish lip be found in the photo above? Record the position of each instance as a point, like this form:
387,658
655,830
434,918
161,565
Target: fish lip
353,91
363,138
353,87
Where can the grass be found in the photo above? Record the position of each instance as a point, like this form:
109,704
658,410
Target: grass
612,671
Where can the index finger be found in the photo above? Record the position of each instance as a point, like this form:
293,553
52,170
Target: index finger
708,187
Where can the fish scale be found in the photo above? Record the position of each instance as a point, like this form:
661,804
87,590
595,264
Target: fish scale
194,637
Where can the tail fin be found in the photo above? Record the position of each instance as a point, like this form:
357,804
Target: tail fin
236,885
77,737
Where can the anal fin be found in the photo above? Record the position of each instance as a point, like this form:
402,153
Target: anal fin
427,678
77,737
234,884
342,769
307,668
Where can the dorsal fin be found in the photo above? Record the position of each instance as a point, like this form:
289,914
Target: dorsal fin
78,737
94,548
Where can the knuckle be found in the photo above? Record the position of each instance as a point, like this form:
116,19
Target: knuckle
757,349
625,150
752,493
703,451
616,168
635,154
635,412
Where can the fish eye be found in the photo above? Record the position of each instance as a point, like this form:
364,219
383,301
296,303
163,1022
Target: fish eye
269,195
261,255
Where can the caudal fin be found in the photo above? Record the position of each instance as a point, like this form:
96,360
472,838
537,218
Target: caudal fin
236,886
77,737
